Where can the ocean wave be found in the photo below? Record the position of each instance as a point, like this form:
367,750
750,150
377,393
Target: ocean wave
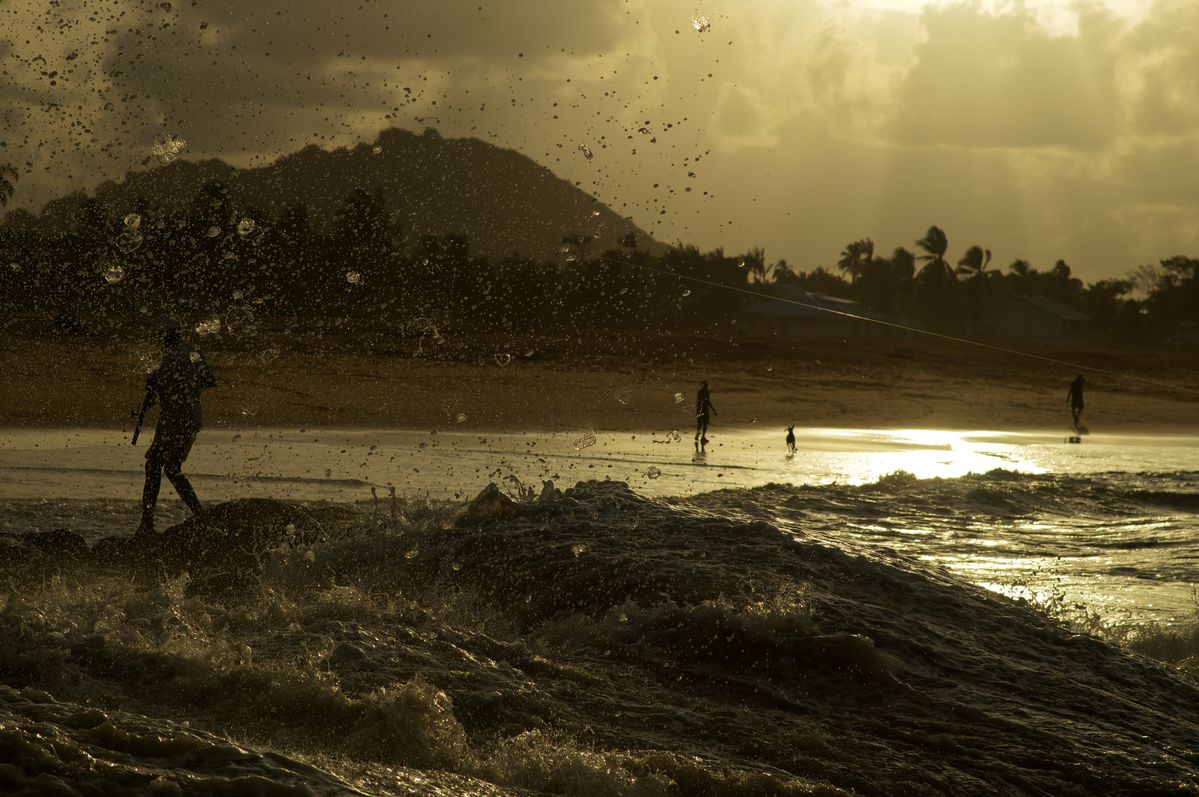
596,642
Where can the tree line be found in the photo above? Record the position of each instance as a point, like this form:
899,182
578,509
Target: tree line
210,258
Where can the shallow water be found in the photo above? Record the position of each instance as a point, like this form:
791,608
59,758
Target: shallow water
1070,537
323,464
843,633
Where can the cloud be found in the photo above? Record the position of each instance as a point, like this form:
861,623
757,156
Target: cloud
984,80
1162,71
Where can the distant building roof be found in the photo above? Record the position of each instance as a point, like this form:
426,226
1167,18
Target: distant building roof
794,302
1053,307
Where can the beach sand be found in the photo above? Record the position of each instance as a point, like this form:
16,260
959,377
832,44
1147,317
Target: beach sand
608,382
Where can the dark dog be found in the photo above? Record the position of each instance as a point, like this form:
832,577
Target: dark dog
790,439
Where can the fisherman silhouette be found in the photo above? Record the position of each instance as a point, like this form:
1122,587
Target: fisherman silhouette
703,405
1074,398
176,386
790,439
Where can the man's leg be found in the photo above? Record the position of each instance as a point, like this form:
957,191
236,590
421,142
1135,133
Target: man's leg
174,471
150,490
184,488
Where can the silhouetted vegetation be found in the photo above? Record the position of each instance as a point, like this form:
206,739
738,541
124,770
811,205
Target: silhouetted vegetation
214,259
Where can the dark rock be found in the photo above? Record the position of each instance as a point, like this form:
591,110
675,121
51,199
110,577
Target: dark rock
60,544
489,505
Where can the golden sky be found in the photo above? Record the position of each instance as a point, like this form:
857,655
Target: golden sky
1041,129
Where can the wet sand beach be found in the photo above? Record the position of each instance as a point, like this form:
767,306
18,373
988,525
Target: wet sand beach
621,383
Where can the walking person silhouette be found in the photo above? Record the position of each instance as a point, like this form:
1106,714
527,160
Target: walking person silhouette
176,386
1074,398
703,405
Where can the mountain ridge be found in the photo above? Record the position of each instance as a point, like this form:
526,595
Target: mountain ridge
504,202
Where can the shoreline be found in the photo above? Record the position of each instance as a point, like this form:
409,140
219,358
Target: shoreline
632,384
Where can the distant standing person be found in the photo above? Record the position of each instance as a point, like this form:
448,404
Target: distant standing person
176,386
1074,398
703,405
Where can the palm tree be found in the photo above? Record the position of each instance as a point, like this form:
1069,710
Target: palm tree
935,243
782,272
855,256
975,261
755,261
8,179
903,264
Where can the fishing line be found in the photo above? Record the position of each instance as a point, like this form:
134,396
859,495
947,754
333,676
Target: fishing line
881,322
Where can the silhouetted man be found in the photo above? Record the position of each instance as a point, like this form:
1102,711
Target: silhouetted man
703,405
1074,397
176,386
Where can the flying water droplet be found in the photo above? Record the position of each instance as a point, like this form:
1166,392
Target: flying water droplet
214,231
585,440
195,357
678,398
741,264
653,472
578,549
353,277
461,417
209,326
237,296
132,221
377,149
701,24
686,292
246,226
586,150
129,241
167,147
503,359
114,274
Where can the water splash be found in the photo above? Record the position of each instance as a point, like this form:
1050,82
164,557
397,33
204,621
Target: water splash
210,326
129,241
167,147
114,274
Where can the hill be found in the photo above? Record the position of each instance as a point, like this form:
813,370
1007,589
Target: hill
502,201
